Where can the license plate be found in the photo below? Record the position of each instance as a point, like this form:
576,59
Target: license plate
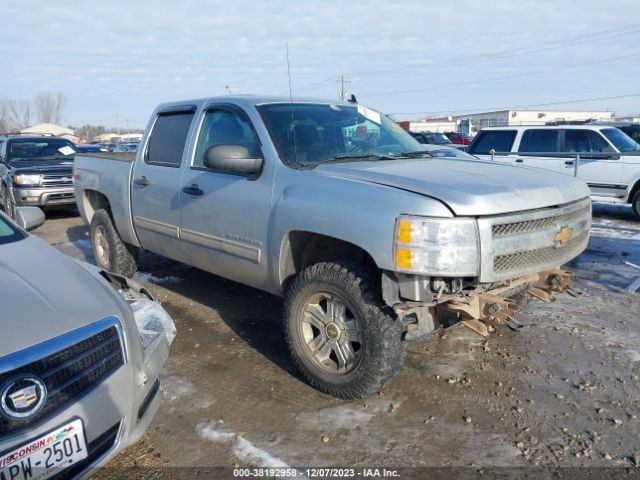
45,456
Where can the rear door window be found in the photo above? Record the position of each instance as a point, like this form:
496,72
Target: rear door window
499,140
584,141
168,138
539,141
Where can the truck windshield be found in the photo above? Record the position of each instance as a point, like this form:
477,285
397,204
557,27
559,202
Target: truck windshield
29,149
621,140
307,134
8,234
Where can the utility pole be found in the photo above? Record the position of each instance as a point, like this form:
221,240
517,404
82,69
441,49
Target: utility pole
343,84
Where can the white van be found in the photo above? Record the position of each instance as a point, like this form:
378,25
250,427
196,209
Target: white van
609,160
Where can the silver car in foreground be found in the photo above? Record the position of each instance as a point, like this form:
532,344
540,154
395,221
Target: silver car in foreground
80,355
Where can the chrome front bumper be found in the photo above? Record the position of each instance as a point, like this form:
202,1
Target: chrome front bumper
43,196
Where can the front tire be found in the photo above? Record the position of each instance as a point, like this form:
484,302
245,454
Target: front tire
109,251
635,203
343,339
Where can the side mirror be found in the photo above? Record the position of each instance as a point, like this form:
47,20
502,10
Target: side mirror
29,218
232,158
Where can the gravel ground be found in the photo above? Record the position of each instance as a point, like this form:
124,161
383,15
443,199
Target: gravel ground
564,392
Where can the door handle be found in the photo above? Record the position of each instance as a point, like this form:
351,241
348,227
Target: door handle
519,160
142,181
193,190
569,162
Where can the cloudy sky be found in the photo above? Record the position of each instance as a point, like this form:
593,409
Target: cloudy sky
118,59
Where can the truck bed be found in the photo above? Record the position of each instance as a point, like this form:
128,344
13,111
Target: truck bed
94,172
119,156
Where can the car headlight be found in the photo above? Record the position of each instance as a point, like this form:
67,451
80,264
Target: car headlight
28,179
152,321
437,246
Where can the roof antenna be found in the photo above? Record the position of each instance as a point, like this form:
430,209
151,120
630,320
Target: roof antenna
293,127
352,99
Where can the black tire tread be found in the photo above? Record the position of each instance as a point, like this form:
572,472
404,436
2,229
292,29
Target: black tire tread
635,204
388,352
124,257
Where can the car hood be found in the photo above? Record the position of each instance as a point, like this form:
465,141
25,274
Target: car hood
44,294
467,187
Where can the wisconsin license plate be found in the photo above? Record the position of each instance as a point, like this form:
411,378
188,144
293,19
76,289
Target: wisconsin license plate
45,456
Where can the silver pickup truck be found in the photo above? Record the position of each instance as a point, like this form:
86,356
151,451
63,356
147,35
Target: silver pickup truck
371,240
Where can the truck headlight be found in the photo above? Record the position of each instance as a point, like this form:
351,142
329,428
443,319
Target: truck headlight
437,246
28,180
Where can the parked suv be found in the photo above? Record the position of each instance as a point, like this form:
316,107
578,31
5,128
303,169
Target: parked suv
35,170
609,159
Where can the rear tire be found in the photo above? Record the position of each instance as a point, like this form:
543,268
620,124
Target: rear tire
343,339
635,203
109,251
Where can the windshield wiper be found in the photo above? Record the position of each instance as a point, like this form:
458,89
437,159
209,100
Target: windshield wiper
343,157
416,153
361,155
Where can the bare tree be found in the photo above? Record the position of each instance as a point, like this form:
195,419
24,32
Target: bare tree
4,116
49,106
19,113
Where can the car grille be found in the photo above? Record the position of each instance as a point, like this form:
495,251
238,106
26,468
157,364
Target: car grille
70,372
57,179
524,243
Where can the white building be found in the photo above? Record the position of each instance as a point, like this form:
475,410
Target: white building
51,129
472,122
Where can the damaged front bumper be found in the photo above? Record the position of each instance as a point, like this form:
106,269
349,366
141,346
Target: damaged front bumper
156,330
482,311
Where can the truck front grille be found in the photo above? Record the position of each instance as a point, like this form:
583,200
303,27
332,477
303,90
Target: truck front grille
57,179
68,372
539,256
505,229
524,243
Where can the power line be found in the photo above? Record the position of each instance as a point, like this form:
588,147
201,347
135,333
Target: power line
503,77
343,82
568,42
596,36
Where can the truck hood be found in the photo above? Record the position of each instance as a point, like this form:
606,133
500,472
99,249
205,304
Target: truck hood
467,187
44,294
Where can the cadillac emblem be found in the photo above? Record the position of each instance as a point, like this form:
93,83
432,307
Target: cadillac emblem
22,397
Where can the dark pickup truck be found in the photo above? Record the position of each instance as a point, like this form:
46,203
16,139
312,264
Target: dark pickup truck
35,170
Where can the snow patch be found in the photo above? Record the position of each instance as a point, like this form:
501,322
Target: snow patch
174,387
344,416
249,453
150,278
214,432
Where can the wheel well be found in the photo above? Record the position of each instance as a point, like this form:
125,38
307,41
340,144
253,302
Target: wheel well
93,201
301,249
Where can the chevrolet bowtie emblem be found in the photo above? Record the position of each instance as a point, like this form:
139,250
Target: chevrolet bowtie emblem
563,235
